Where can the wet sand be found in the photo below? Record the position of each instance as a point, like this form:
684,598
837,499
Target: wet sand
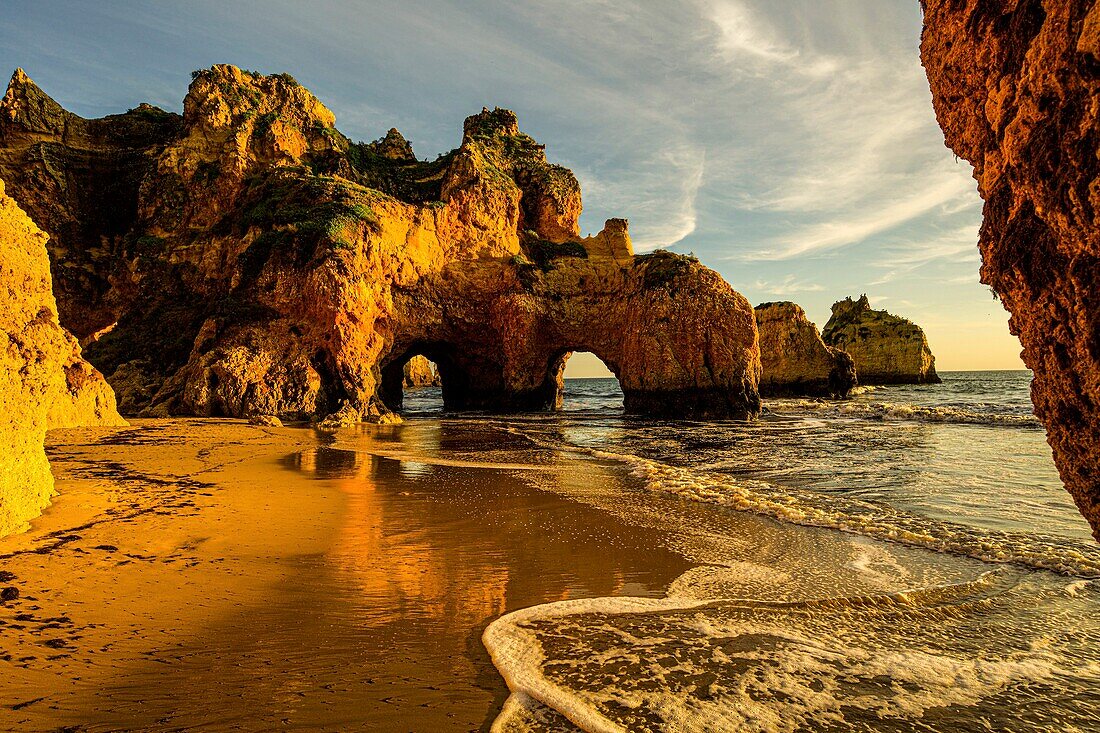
209,573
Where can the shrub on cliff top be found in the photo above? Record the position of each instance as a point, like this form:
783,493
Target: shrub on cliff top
412,181
661,267
543,252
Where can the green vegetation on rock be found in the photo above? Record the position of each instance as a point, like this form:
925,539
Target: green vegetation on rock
661,267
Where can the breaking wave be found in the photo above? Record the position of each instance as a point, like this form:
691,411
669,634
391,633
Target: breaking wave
887,411
849,514
960,656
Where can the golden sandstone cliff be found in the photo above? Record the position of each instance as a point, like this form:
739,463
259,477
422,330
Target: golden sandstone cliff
887,349
794,358
44,382
1016,88
247,258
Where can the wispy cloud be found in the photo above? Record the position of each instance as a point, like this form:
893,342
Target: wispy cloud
857,226
789,285
853,150
744,33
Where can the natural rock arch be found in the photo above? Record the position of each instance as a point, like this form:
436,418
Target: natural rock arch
453,379
675,334
554,385
297,269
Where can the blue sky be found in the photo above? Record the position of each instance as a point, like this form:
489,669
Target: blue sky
790,144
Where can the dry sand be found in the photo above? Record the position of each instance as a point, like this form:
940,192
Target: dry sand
201,573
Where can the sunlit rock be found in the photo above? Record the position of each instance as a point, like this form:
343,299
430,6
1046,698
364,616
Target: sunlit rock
257,262
794,359
887,349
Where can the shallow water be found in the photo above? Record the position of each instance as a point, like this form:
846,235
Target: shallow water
961,469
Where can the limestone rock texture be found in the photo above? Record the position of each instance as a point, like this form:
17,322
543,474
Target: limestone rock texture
794,358
253,260
887,349
44,383
419,372
1016,89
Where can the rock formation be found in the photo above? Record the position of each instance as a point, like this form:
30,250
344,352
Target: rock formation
887,349
1016,88
44,383
419,372
247,258
794,359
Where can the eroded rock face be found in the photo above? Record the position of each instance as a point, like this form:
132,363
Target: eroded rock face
1016,88
419,372
43,381
268,265
793,357
887,349
79,180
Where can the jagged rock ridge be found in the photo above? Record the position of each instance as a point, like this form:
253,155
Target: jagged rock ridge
1016,88
887,349
794,358
259,262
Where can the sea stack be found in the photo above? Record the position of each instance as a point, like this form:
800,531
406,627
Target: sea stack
44,382
887,349
793,357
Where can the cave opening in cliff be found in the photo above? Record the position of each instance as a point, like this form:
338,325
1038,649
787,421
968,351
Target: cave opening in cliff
422,379
422,387
587,383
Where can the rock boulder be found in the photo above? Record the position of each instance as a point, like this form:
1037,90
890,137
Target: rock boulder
887,349
793,357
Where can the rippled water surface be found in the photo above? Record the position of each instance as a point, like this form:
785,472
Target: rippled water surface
968,450
896,632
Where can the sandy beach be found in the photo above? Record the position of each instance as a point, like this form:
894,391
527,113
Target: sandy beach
249,578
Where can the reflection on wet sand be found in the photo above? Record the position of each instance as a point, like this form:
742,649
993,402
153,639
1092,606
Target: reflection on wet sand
324,587
430,553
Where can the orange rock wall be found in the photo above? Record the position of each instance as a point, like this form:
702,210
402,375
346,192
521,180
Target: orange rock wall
1016,88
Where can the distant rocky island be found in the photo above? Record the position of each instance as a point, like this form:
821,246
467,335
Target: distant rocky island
859,345
887,349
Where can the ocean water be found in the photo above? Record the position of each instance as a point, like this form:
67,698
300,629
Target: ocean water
903,560
965,459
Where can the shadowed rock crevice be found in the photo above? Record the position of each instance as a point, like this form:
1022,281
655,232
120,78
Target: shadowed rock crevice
262,263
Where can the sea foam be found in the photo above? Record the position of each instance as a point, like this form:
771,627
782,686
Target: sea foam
849,514
951,656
